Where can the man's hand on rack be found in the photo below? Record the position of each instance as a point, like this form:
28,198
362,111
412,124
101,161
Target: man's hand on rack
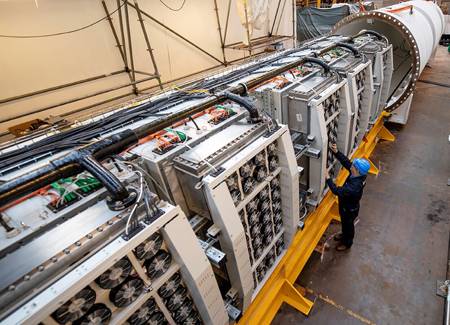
334,147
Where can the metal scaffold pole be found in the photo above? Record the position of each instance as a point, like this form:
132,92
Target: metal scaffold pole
219,28
130,46
120,47
149,47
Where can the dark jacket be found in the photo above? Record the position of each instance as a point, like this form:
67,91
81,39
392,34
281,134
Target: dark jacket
351,192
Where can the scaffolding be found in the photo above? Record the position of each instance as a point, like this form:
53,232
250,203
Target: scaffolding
127,58
123,41
252,44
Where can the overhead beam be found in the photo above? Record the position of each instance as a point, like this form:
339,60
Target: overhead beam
46,90
73,100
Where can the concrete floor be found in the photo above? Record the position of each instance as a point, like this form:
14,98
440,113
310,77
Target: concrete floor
402,239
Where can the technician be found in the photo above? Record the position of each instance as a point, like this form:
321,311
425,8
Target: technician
349,196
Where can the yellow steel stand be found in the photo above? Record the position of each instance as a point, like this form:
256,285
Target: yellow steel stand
280,287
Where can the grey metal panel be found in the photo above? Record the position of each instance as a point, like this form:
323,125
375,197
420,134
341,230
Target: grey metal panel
28,216
196,270
208,147
20,262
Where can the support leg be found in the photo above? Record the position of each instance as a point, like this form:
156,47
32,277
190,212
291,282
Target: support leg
334,211
294,298
385,134
373,169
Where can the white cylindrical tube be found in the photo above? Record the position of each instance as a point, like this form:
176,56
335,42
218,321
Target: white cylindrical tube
413,28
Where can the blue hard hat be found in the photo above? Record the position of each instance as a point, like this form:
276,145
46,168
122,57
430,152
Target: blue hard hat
362,165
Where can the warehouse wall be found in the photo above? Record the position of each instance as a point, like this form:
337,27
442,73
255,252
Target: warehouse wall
28,64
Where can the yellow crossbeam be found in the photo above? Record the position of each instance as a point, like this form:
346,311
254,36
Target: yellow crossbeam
280,287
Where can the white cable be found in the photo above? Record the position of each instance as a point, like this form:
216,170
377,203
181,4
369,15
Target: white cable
143,171
61,198
304,214
73,191
141,191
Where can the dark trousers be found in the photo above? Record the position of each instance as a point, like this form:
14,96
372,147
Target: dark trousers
348,217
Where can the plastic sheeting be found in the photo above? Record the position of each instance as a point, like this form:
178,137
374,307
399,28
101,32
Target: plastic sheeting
257,15
313,22
355,7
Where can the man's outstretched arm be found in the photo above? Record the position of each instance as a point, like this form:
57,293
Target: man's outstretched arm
345,162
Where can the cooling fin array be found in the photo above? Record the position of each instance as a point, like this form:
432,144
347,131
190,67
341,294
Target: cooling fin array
331,107
360,86
260,208
128,283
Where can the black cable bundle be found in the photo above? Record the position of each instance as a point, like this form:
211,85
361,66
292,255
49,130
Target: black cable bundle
83,135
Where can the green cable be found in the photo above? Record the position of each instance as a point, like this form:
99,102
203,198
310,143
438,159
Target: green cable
180,134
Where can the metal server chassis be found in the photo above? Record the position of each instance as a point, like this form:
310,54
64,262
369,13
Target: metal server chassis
281,287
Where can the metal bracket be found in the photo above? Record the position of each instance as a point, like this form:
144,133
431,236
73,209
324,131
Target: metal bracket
233,312
213,231
155,216
217,172
215,256
134,231
312,153
442,288
272,131
197,222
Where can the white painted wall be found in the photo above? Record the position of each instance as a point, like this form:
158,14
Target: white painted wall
27,65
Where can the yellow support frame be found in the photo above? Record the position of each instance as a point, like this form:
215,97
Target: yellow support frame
280,287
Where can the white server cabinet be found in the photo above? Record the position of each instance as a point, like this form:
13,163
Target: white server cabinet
383,67
157,153
272,96
159,275
360,84
358,73
357,69
252,197
321,111
380,54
